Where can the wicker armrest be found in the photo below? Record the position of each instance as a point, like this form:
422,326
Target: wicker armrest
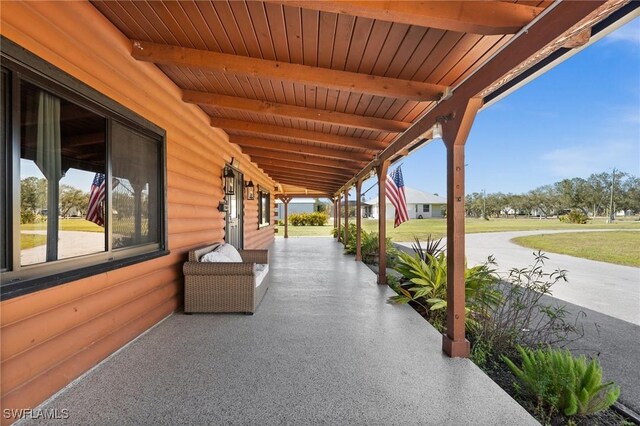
218,268
255,256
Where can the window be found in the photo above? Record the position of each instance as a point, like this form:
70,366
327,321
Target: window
88,176
264,205
425,208
4,168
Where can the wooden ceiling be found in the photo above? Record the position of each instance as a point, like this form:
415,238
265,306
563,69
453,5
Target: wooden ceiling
314,91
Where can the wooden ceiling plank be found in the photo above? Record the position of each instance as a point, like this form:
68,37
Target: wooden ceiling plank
486,18
307,178
307,184
304,113
247,141
356,165
282,71
304,172
263,161
302,168
290,133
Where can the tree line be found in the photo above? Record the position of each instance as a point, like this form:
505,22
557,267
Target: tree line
33,199
592,196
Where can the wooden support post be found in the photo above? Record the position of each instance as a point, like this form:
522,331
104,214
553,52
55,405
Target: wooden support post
381,170
455,132
358,220
285,201
335,213
338,218
346,216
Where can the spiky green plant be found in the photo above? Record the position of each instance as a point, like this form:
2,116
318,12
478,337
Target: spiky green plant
562,382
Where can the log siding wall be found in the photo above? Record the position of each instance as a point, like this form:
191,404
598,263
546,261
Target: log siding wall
51,337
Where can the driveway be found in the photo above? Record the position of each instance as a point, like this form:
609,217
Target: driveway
610,289
70,244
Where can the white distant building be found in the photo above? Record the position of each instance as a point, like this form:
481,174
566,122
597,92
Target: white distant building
421,205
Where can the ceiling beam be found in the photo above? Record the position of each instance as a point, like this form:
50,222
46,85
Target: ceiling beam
247,141
333,118
334,174
309,159
284,71
265,162
294,180
310,185
308,177
261,129
486,18
551,26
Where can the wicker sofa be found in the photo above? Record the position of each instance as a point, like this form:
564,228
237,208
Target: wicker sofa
224,286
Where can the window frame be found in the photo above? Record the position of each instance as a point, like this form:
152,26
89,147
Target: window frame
426,208
261,213
18,280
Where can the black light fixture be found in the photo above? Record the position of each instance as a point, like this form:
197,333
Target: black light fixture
229,181
250,190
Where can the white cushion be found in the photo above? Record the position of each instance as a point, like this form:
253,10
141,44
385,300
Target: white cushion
261,272
229,251
214,256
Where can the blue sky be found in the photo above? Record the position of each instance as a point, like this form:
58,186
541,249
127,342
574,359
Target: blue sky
581,117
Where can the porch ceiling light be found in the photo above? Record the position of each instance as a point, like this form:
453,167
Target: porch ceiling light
229,181
250,190
437,131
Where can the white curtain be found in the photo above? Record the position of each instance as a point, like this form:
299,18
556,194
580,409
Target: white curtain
49,153
49,161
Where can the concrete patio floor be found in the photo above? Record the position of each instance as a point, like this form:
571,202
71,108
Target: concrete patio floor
323,348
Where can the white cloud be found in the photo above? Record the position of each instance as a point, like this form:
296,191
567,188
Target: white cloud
582,160
629,33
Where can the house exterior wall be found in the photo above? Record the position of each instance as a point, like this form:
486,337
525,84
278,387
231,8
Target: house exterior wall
435,210
50,337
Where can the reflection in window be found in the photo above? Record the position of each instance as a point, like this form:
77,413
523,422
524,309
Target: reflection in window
4,134
263,207
62,150
135,160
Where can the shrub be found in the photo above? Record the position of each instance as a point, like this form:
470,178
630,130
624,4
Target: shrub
432,247
563,383
369,246
574,216
308,219
521,317
27,216
427,286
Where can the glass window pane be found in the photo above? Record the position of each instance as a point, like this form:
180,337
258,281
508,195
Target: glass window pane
4,134
136,178
62,154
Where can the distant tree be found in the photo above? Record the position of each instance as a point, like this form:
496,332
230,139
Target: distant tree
70,198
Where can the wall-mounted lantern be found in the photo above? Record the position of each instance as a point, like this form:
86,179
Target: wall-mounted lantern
250,190
229,181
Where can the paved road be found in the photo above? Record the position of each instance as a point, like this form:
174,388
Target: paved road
610,289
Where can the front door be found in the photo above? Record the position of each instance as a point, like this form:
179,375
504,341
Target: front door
233,228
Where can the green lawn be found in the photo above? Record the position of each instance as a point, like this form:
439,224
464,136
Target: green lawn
65,225
620,247
28,241
438,227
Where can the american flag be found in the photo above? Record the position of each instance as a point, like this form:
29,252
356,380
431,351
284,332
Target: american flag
95,212
395,194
